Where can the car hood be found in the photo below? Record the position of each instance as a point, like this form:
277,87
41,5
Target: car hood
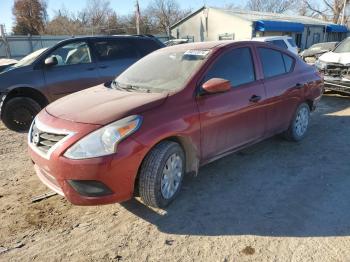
339,58
101,105
307,52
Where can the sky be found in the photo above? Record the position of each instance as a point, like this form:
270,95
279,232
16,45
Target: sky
122,7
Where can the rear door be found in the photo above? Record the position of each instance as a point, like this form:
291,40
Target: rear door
282,89
76,69
237,117
114,56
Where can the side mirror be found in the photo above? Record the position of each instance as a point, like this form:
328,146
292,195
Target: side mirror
51,61
216,85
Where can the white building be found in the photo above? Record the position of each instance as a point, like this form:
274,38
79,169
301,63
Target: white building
208,24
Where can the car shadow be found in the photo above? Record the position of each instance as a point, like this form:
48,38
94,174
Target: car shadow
274,188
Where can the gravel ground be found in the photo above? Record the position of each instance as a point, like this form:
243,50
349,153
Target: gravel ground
275,201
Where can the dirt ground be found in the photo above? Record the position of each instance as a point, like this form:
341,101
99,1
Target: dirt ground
275,201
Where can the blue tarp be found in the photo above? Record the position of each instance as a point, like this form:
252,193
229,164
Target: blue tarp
278,26
336,28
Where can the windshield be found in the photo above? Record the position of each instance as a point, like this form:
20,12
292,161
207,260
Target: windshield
162,71
343,47
29,59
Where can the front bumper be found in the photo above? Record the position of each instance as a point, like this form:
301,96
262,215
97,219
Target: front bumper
337,84
117,172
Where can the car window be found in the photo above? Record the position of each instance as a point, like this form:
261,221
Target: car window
72,54
145,46
288,62
107,50
272,62
279,43
235,65
292,42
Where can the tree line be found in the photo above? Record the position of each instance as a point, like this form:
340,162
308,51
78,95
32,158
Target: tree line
98,17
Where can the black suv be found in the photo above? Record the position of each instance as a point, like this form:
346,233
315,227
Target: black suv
70,66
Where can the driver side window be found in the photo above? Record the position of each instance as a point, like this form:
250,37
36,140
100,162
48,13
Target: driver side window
72,54
235,65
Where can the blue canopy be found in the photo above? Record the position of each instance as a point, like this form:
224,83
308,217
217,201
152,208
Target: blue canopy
333,28
278,26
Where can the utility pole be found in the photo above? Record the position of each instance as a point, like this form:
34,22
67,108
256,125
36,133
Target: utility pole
137,15
343,13
4,39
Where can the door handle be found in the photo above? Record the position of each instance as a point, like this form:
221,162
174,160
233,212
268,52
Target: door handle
255,98
103,67
91,68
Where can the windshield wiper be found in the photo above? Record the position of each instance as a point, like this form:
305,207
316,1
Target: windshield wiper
130,88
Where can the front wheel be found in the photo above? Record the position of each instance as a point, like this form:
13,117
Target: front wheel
19,112
300,123
161,174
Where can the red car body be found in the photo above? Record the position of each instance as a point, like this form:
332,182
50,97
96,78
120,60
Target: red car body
206,126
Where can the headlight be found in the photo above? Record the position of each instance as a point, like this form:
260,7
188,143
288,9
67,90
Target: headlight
104,141
320,65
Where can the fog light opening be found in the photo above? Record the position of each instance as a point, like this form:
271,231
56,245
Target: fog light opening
90,188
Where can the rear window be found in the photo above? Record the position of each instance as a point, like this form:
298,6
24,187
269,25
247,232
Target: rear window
145,46
114,49
279,43
274,62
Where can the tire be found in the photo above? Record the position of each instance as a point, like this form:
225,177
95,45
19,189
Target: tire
299,125
153,176
18,113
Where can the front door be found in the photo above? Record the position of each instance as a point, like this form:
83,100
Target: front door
75,70
230,120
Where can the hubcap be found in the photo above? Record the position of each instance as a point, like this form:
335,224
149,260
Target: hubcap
172,174
302,121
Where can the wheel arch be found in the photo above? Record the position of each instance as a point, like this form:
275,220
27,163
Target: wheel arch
190,151
29,92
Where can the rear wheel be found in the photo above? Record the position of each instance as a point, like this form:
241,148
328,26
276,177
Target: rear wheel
300,123
161,174
19,112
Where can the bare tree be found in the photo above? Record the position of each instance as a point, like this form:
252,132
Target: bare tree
96,18
30,16
65,23
164,13
328,10
96,14
273,6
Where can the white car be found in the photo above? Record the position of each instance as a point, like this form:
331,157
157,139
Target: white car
285,42
335,67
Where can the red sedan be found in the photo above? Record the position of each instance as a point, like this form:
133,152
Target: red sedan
173,111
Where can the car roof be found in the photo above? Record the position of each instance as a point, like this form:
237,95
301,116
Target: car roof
109,37
203,45
265,38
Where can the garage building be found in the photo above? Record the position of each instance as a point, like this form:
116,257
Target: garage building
209,24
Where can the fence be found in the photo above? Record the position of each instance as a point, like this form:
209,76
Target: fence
19,46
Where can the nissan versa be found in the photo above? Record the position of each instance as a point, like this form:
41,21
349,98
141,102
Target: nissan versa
173,111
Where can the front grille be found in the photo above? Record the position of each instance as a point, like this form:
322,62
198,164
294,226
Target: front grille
337,70
44,140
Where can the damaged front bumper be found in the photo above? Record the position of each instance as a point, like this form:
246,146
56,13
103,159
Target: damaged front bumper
339,84
336,77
